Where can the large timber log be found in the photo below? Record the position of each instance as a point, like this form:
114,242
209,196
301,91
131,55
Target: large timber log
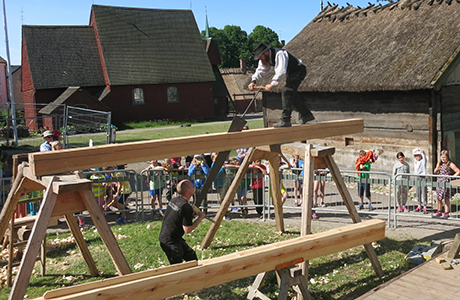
47,163
226,268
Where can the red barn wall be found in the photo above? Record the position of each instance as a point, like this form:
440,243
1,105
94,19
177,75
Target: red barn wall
195,101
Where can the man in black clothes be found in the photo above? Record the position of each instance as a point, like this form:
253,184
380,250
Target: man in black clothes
178,220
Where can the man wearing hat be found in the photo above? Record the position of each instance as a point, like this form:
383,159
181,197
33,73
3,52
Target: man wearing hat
287,67
46,146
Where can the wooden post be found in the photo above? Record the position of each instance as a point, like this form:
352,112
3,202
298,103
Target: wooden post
43,257
348,200
11,202
104,231
455,248
10,251
237,125
307,205
21,280
228,199
276,191
79,239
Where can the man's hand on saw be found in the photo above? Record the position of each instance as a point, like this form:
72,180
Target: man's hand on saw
252,86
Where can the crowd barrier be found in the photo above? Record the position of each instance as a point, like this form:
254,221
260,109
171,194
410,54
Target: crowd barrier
388,193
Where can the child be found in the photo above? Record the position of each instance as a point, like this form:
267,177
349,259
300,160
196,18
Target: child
241,192
401,189
258,185
447,168
156,183
363,163
420,169
296,164
122,194
320,185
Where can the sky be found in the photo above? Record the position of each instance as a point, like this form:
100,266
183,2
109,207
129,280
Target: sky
286,17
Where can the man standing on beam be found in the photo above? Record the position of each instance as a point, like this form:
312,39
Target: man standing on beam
286,66
178,220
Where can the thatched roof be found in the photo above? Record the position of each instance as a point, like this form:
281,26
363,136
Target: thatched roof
237,81
404,45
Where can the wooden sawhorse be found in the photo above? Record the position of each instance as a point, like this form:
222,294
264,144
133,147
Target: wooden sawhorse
288,275
64,196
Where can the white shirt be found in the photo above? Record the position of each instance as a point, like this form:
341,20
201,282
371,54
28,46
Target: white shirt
420,165
281,64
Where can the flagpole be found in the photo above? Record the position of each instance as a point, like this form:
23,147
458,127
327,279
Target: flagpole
10,80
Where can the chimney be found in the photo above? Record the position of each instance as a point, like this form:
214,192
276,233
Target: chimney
243,65
283,42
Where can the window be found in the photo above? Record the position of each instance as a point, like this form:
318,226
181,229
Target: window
172,94
138,96
349,142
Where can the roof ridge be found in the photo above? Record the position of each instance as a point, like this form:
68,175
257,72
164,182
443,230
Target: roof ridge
56,26
333,12
137,8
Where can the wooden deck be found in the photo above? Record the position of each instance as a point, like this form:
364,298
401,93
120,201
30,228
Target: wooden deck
427,281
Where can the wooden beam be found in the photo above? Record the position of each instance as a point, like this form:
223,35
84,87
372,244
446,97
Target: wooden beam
276,192
455,248
318,151
62,184
69,203
12,200
343,190
47,163
119,279
228,199
21,281
121,265
237,125
72,223
307,205
238,265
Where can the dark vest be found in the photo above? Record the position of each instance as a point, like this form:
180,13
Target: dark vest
293,62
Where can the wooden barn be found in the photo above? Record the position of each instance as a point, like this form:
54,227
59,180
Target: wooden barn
396,66
144,64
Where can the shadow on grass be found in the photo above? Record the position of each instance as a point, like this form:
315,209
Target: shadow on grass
62,250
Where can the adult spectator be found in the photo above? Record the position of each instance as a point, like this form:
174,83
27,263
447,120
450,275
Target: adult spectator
46,146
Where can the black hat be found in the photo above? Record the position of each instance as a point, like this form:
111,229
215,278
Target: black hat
259,50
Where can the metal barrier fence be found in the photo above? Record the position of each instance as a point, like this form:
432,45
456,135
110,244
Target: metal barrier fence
424,196
380,184
387,193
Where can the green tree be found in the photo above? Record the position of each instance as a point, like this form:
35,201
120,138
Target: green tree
234,43
261,34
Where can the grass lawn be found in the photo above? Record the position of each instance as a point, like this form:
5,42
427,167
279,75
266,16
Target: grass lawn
343,275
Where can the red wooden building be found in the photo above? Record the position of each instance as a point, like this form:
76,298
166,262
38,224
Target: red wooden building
143,64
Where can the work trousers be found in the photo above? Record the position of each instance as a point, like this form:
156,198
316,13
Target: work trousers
291,98
178,252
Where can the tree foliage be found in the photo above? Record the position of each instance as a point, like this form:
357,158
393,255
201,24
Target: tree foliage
235,44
